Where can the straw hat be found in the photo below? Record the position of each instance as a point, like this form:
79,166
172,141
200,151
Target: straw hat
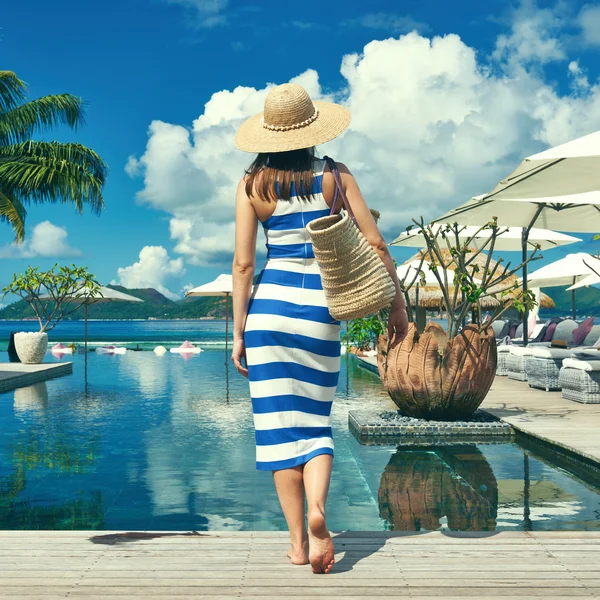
290,121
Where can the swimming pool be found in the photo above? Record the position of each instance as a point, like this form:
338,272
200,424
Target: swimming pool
164,443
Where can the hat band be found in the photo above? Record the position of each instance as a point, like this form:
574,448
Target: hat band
290,127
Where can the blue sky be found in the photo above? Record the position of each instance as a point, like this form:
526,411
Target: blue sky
509,79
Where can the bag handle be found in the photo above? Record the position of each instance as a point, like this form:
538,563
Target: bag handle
339,189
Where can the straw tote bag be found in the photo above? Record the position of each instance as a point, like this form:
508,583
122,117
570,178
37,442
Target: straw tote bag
355,280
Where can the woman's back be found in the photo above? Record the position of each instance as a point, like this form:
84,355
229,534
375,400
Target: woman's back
285,229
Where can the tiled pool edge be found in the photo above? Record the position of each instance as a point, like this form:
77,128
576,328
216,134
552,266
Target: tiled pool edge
19,375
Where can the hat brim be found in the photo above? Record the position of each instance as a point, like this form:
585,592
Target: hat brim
332,120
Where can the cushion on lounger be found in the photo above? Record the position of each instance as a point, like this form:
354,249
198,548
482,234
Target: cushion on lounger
580,333
497,326
592,337
582,365
554,353
549,332
564,330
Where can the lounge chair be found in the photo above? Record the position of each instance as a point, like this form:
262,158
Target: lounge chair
544,364
544,375
579,378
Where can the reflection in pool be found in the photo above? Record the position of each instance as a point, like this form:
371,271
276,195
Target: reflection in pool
158,443
422,486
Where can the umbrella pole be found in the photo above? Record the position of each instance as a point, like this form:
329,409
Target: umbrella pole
524,237
85,325
226,325
573,307
524,242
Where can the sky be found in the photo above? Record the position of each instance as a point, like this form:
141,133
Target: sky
446,99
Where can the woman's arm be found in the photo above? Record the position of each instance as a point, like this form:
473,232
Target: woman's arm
244,261
398,320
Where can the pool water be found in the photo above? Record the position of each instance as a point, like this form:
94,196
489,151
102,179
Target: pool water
143,442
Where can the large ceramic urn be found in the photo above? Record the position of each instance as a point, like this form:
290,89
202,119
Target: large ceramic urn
431,377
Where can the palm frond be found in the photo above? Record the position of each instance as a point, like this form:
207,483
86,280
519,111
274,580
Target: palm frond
12,90
12,211
53,172
20,123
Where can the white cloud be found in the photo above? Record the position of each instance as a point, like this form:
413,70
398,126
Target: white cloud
46,240
133,166
205,13
433,123
534,36
153,270
589,21
387,22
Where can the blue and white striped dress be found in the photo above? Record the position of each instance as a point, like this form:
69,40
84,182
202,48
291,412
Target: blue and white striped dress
292,342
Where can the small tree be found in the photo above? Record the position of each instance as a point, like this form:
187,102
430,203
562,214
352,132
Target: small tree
361,333
466,276
54,294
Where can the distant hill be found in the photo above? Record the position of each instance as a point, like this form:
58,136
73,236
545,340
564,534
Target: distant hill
587,301
154,306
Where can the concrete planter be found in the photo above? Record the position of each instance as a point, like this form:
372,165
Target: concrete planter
31,346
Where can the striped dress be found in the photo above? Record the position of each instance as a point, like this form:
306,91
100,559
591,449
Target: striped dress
292,342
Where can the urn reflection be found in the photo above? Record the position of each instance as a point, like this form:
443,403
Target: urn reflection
426,488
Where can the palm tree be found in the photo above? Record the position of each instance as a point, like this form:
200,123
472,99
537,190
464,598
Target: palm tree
38,171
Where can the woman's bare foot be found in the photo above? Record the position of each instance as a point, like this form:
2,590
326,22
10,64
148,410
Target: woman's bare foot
321,552
298,554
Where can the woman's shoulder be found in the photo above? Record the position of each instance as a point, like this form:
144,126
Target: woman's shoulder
342,168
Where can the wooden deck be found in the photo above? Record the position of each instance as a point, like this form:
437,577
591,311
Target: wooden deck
547,416
375,565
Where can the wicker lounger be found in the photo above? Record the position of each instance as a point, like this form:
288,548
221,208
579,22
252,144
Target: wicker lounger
503,352
516,366
580,380
543,372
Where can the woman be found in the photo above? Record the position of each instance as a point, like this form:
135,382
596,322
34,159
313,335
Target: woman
284,334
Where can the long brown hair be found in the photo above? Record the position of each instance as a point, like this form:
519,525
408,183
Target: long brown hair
274,175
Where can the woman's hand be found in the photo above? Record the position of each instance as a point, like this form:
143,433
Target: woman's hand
237,354
397,323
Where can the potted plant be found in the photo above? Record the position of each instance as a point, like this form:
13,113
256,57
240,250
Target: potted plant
362,334
445,375
52,295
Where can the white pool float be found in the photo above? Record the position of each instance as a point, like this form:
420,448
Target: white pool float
186,348
61,349
110,350
160,350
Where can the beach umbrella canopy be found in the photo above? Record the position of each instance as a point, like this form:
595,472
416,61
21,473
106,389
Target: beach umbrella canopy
104,294
585,282
568,271
558,188
221,286
509,240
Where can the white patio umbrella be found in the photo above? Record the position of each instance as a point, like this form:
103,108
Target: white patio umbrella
105,294
567,271
585,282
556,189
509,240
221,286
